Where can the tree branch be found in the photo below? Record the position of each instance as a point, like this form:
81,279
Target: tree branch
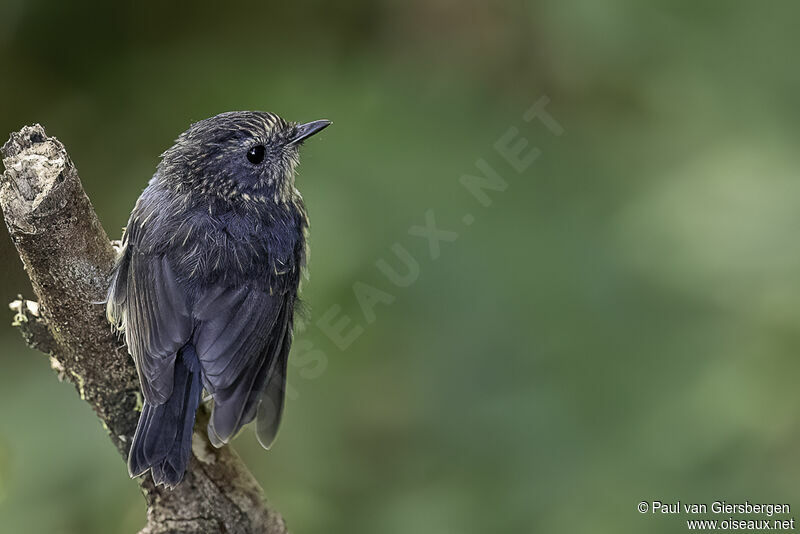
68,257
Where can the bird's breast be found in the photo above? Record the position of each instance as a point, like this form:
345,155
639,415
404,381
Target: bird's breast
236,248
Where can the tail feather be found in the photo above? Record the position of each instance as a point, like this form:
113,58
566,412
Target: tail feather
163,439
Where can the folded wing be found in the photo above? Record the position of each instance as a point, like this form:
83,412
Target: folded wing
241,338
147,302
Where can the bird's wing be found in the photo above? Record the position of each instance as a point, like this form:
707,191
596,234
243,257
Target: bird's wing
157,321
239,337
270,405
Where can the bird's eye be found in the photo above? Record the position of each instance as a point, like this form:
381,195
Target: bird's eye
256,154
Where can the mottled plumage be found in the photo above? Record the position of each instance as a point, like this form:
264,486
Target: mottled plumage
206,284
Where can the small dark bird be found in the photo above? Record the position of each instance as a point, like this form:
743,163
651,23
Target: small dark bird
206,284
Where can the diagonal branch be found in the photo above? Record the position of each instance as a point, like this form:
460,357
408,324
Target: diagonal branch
68,257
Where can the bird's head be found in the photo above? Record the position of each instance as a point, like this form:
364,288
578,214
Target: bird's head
239,154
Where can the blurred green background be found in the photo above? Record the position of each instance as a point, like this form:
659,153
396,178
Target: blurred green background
621,324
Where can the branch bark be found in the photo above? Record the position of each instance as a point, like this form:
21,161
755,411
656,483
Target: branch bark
68,257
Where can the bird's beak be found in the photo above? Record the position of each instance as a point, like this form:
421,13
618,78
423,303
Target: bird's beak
304,131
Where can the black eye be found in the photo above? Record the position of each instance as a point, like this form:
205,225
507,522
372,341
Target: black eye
256,154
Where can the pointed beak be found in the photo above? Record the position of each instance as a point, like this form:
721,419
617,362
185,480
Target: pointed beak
304,131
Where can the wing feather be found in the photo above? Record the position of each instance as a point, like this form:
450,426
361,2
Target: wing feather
239,337
157,321
271,399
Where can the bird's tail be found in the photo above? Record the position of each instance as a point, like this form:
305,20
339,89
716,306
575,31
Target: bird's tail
163,439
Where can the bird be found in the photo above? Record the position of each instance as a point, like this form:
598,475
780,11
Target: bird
205,285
